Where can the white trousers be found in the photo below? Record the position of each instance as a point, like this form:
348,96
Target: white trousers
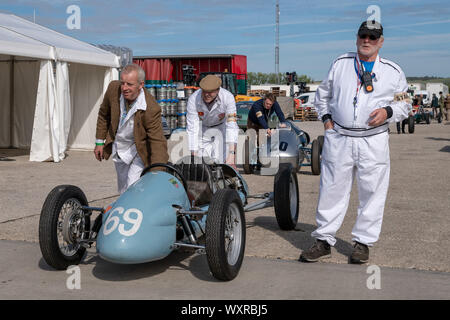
343,159
127,174
212,144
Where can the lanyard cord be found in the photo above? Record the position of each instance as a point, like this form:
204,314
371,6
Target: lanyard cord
359,84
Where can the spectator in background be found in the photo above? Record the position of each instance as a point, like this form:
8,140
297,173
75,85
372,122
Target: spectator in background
441,106
435,105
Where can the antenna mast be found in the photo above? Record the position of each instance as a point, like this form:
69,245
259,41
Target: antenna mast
277,42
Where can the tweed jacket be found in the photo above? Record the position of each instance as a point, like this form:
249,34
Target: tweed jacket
150,142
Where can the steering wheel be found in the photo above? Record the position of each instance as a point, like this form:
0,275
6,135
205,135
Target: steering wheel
174,171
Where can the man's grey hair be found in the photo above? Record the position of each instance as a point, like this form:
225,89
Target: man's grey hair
134,67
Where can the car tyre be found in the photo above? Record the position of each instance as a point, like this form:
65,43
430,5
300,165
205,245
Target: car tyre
411,124
321,140
315,157
225,234
286,197
61,225
427,118
248,168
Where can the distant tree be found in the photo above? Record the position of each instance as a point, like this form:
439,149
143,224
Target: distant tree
258,78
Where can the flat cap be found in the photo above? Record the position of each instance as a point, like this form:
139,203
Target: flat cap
210,83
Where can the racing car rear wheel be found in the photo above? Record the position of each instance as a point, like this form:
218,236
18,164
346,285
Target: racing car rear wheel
411,124
248,168
315,157
286,197
62,225
321,140
225,234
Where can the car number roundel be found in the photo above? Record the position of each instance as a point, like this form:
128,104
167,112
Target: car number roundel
131,217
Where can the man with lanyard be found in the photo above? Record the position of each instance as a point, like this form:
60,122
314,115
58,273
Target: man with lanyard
211,122
260,112
129,127
360,95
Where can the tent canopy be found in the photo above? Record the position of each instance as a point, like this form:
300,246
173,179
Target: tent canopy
51,87
20,37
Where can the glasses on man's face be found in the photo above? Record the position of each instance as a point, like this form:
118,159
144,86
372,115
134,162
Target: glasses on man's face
371,37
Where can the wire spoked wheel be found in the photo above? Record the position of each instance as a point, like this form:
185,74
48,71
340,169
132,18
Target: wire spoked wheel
70,227
233,234
225,234
62,226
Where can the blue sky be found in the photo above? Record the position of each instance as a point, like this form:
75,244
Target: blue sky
312,32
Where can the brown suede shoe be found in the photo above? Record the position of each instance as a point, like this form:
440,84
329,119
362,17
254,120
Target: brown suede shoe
360,253
320,250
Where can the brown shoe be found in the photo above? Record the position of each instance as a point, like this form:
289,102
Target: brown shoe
320,250
360,253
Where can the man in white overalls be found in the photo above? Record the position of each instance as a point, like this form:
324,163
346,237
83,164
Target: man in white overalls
361,94
211,122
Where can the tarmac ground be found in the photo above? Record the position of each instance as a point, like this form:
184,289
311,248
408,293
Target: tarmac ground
412,252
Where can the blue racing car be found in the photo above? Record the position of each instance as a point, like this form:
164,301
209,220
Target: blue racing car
192,204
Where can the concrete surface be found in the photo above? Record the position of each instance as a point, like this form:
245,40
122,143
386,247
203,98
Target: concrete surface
415,233
185,276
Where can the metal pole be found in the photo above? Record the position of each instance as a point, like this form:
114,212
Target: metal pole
277,42
11,103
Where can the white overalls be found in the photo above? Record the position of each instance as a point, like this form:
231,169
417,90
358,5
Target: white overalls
353,149
129,164
210,130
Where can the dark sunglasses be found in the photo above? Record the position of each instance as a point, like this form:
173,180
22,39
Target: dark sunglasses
365,35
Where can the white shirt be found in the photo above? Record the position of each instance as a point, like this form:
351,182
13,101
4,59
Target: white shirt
124,145
337,92
221,115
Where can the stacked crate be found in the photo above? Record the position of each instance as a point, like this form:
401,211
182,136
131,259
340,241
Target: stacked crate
260,92
275,91
299,114
311,115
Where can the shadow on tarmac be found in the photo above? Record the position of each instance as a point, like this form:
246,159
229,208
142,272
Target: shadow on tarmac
13,152
437,139
300,237
108,271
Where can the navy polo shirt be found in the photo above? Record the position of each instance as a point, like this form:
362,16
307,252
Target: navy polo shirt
260,115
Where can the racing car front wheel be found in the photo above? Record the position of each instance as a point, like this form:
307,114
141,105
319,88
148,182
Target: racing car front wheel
286,199
225,234
62,225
